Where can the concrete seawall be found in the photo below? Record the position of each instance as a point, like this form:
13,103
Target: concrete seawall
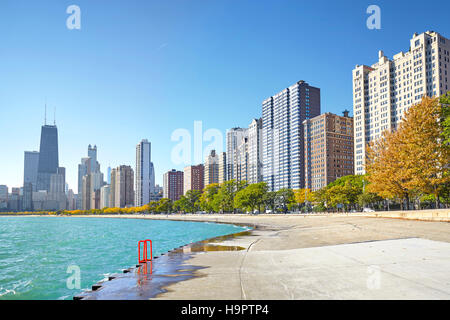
428,215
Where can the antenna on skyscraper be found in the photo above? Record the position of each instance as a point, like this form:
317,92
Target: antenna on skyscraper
45,114
54,116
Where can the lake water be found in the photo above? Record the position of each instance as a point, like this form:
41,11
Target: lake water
36,253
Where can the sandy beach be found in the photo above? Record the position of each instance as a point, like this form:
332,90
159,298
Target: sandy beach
320,257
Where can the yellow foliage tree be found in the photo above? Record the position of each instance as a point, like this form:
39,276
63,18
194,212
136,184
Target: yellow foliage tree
413,159
299,196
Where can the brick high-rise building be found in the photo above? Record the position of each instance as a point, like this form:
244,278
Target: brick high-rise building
173,184
193,178
328,149
122,187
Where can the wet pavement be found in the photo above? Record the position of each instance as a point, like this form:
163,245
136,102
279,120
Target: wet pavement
147,280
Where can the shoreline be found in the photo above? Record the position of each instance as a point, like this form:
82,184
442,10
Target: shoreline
313,257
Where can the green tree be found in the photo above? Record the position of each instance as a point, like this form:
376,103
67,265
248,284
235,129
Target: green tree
164,205
206,199
182,204
344,190
224,199
284,198
368,198
251,197
193,200
445,117
269,200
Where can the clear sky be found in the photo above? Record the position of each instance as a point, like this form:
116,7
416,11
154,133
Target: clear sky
142,69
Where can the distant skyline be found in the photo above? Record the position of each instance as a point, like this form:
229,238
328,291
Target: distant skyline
142,69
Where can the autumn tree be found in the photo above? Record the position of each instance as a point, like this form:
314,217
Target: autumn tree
302,196
413,159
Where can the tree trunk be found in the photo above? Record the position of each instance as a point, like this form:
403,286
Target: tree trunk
436,196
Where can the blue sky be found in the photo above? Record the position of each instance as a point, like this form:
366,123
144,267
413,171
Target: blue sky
142,69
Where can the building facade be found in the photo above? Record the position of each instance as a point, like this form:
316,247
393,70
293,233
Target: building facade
173,183
328,149
222,167
193,178
211,168
383,91
234,138
89,186
123,186
254,149
31,163
105,194
240,162
145,180
48,156
283,134
3,197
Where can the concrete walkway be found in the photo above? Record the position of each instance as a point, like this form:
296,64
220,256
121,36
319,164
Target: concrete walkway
325,258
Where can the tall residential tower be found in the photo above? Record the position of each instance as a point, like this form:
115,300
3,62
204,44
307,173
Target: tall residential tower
145,180
386,89
283,134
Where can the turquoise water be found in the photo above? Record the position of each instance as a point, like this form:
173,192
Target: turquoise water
35,252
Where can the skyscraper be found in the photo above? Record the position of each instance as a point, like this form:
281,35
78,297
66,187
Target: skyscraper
211,168
83,169
3,197
254,167
108,175
122,184
283,144
57,196
112,190
92,155
240,162
48,156
31,164
105,196
89,186
234,139
145,182
152,179
384,91
222,167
